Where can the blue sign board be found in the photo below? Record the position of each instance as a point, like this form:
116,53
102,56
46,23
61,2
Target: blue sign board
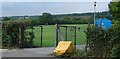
104,23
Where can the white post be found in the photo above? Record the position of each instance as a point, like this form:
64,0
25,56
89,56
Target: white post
94,10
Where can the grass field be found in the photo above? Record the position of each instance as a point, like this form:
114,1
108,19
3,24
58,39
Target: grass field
49,35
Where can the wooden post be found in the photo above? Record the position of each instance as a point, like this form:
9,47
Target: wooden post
20,36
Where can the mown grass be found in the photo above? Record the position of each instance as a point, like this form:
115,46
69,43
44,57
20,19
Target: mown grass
49,34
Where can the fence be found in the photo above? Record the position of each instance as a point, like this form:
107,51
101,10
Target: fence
24,35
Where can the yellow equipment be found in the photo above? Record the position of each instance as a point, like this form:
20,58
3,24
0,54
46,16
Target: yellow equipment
64,47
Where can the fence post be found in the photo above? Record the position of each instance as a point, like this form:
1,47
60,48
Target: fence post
75,38
32,37
20,38
41,35
66,33
57,31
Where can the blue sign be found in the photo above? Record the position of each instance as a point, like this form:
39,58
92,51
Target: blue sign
104,23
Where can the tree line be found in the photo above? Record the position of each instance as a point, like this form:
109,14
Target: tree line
49,19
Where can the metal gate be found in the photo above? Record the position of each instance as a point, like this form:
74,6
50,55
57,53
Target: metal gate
66,33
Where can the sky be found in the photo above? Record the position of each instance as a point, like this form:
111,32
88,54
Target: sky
31,7
55,0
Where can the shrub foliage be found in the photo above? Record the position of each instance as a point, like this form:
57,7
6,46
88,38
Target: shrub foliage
104,43
16,33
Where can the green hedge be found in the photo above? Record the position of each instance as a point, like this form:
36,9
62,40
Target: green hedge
15,33
104,43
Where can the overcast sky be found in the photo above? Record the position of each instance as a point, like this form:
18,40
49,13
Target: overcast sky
55,0
12,8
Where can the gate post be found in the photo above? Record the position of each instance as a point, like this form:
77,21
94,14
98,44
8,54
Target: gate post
57,31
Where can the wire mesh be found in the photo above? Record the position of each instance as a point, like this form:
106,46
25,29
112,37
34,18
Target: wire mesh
66,33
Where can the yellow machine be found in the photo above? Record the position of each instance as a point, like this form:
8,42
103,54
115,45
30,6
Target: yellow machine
64,47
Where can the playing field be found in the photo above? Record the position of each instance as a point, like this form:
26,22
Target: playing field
49,35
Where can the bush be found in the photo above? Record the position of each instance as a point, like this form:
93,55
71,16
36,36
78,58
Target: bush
115,40
11,34
104,43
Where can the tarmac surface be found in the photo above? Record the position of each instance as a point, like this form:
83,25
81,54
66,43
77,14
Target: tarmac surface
32,52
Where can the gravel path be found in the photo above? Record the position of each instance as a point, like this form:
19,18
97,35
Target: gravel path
32,52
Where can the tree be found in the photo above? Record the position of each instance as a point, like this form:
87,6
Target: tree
6,18
115,11
47,18
114,8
